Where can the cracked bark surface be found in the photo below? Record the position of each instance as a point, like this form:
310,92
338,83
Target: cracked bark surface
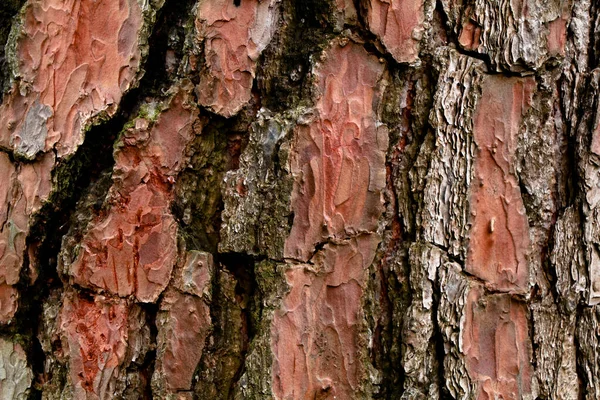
285,199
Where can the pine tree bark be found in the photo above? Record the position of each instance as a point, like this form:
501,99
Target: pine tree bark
300,199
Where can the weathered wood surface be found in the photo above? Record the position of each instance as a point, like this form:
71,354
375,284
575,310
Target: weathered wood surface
286,199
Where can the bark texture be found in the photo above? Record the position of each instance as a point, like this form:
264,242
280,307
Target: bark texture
300,199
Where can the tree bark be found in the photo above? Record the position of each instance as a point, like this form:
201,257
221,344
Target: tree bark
300,199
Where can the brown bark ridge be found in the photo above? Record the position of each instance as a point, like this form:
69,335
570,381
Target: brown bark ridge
300,199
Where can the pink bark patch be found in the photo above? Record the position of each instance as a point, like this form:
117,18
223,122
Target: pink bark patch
8,303
315,335
497,346
96,333
339,159
398,24
499,237
78,58
184,323
470,36
234,36
132,248
186,327
23,189
12,240
557,36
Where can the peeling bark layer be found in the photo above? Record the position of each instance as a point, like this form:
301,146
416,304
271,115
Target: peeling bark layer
337,161
499,235
399,24
233,37
131,248
69,72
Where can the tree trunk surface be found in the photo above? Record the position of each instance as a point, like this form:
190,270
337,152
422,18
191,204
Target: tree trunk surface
300,199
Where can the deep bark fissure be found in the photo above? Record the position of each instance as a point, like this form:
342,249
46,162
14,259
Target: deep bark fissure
582,376
282,76
8,10
437,337
241,266
199,211
381,356
593,41
149,364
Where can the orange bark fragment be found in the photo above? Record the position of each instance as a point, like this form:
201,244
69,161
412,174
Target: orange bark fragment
76,59
398,24
499,236
131,250
339,160
234,36
188,324
96,333
23,189
470,36
338,164
557,36
315,336
497,346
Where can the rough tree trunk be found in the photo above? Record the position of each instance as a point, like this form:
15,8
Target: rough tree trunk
300,199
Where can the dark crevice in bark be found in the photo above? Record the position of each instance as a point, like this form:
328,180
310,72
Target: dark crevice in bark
450,35
581,375
219,348
8,10
442,21
547,266
572,154
168,35
594,39
198,202
381,333
148,365
566,156
394,283
283,75
407,132
361,14
386,277
241,266
438,338
408,125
